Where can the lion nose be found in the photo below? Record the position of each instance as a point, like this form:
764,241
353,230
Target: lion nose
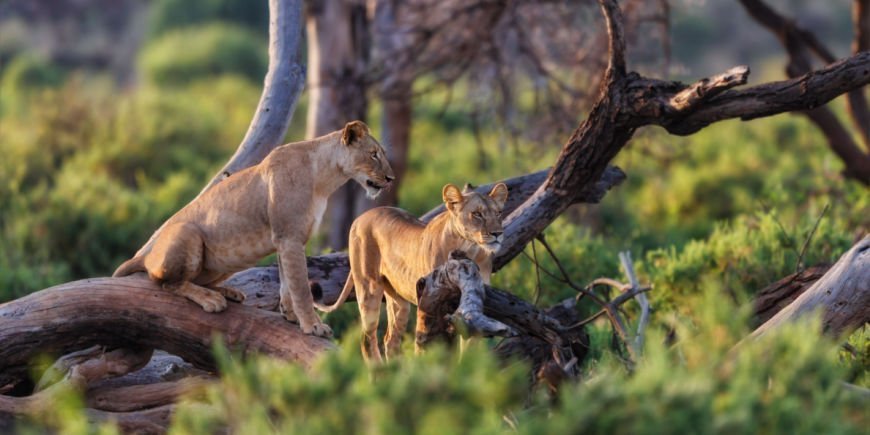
497,233
389,178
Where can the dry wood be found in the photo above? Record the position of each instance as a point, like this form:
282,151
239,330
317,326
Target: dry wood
449,301
778,295
148,421
842,294
139,397
95,363
117,312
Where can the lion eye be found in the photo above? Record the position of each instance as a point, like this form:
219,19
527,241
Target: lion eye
476,215
375,155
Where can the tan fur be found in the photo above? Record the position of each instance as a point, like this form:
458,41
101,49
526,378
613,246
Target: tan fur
273,206
390,250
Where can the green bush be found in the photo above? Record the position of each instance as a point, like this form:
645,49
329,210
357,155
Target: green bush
182,56
434,393
788,382
25,75
88,177
167,15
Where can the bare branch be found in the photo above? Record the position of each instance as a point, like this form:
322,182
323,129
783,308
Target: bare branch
692,96
616,39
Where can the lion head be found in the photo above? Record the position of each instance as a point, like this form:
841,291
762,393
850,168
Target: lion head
368,161
477,217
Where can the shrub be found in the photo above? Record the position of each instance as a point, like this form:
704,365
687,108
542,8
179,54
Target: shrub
182,56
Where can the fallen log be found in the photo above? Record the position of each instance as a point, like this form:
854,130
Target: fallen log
140,397
778,295
842,295
132,311
449,302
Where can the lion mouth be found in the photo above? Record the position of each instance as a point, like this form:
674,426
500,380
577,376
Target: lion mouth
374,185
373,189
492,246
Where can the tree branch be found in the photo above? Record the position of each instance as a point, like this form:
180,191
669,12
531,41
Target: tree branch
799,44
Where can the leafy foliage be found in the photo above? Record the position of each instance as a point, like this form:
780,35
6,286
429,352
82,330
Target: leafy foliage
181,56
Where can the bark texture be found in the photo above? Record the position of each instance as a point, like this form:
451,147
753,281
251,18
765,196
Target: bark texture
842,294
121,312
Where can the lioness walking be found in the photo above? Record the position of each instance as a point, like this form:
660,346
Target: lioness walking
390,250
273,206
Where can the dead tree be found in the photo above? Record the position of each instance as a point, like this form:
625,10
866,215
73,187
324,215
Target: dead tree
627,101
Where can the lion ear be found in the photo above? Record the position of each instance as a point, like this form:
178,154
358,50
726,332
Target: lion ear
354,131
452,197
499,194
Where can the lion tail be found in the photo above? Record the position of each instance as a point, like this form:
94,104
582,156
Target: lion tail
131,266
345,292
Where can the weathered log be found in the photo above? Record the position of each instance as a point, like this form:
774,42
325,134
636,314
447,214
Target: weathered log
140,397
147,421
95,363
535,334
118,312
162,367
778,295
842,295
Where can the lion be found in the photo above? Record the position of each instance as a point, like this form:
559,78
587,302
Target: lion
390,250
273,206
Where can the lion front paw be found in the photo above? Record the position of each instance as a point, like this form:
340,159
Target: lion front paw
212,302
318,329
231,293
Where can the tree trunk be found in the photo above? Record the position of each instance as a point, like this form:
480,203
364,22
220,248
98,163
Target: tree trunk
337,59
397,113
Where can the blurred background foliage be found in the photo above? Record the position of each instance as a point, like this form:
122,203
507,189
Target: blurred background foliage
94,159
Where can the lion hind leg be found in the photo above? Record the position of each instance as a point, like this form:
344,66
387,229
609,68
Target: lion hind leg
175,262
369,300
211,301
398,311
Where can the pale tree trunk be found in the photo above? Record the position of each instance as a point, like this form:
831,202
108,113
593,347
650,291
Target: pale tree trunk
282,87
337,58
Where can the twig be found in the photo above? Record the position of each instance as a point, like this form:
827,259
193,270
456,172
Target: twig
628,267
537,274
799,267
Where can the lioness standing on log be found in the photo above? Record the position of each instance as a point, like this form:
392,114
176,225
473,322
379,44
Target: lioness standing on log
390,250
273,206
